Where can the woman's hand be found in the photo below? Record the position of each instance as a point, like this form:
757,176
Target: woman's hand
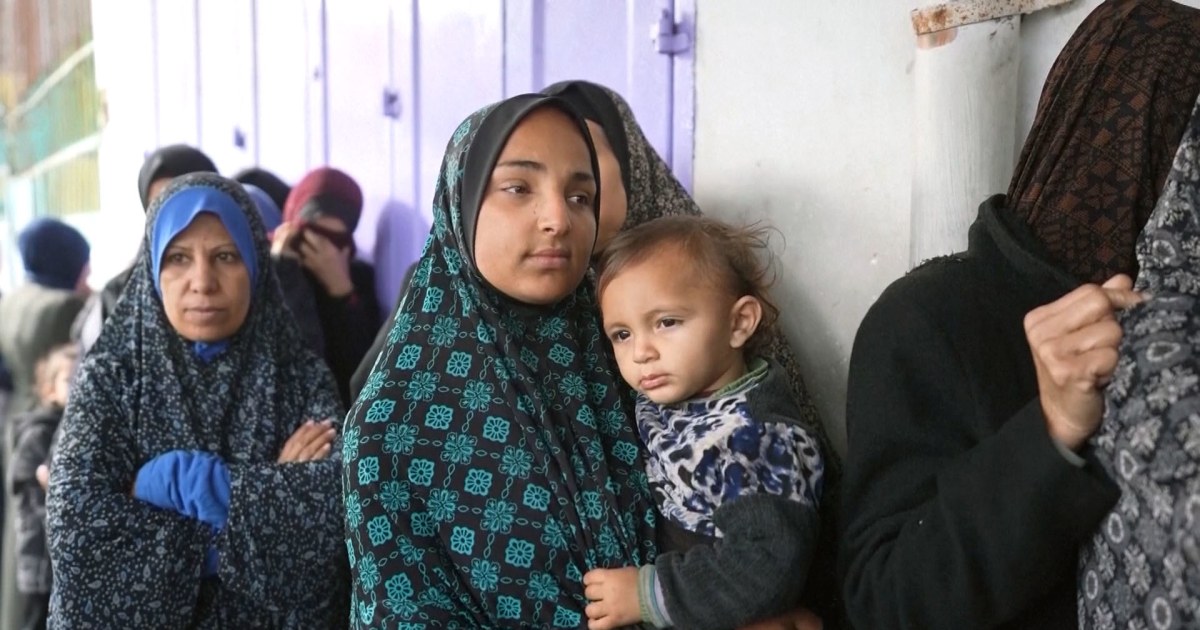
310,442
799,619
283,243
1074,343
329,264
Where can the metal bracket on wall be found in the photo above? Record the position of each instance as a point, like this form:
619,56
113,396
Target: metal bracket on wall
667,37
948,15
391,104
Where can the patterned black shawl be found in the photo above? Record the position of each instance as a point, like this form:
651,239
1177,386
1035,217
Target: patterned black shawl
491,458
1142,569
141,391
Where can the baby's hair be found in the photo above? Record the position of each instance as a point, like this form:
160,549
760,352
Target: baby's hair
62,357
735,259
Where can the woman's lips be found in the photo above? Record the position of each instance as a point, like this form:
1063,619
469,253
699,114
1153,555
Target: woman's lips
551,258
204,313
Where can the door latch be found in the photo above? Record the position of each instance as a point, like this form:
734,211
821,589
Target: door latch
667,36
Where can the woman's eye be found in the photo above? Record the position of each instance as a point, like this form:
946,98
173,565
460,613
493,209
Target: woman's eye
582,199
516,189
176,259
228,257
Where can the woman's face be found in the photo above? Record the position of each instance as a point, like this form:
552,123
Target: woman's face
613,202
205,284
536,225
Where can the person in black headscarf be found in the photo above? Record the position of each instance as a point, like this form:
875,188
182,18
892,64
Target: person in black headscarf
196,483
269,182
976,380
638,187
157,171
168,163
331,293
491,459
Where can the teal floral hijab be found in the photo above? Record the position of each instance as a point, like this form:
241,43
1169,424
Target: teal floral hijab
490,460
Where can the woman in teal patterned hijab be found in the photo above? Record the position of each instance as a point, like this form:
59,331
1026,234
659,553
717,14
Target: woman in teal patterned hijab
490,461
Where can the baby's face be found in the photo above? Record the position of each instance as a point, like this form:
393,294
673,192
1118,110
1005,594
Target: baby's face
671,330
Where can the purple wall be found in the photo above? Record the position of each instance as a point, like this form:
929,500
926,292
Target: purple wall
376,87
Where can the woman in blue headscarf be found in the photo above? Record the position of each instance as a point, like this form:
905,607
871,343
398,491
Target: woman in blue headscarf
490,459
197,481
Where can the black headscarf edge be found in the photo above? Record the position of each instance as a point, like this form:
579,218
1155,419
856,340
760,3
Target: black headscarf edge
487,145
171,161
594,103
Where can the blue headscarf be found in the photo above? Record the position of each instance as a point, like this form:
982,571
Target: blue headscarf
268,210
177,213
183,207
140,393
54,253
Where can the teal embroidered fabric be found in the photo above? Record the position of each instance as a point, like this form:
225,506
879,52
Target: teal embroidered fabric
491,459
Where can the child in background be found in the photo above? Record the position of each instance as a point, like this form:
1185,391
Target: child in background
735,477
31,437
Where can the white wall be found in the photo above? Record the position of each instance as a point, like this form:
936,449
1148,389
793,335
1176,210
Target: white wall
125,68
802,119
804,116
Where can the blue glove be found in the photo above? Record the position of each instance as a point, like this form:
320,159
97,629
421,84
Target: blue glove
192,483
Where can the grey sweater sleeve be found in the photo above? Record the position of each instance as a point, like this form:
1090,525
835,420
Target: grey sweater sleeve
755,571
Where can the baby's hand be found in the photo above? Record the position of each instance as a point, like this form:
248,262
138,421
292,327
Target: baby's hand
614,597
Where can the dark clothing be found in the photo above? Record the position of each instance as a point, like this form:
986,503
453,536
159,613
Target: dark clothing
35,611
142,391
32,434
268,182
33,320
168,162
652,191
739,464
959,510
87,325
1142,569
112,292
359,378
338,329
1113,108
491,459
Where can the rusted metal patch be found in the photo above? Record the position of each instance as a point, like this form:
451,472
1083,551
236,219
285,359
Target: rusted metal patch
936,39
948,15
